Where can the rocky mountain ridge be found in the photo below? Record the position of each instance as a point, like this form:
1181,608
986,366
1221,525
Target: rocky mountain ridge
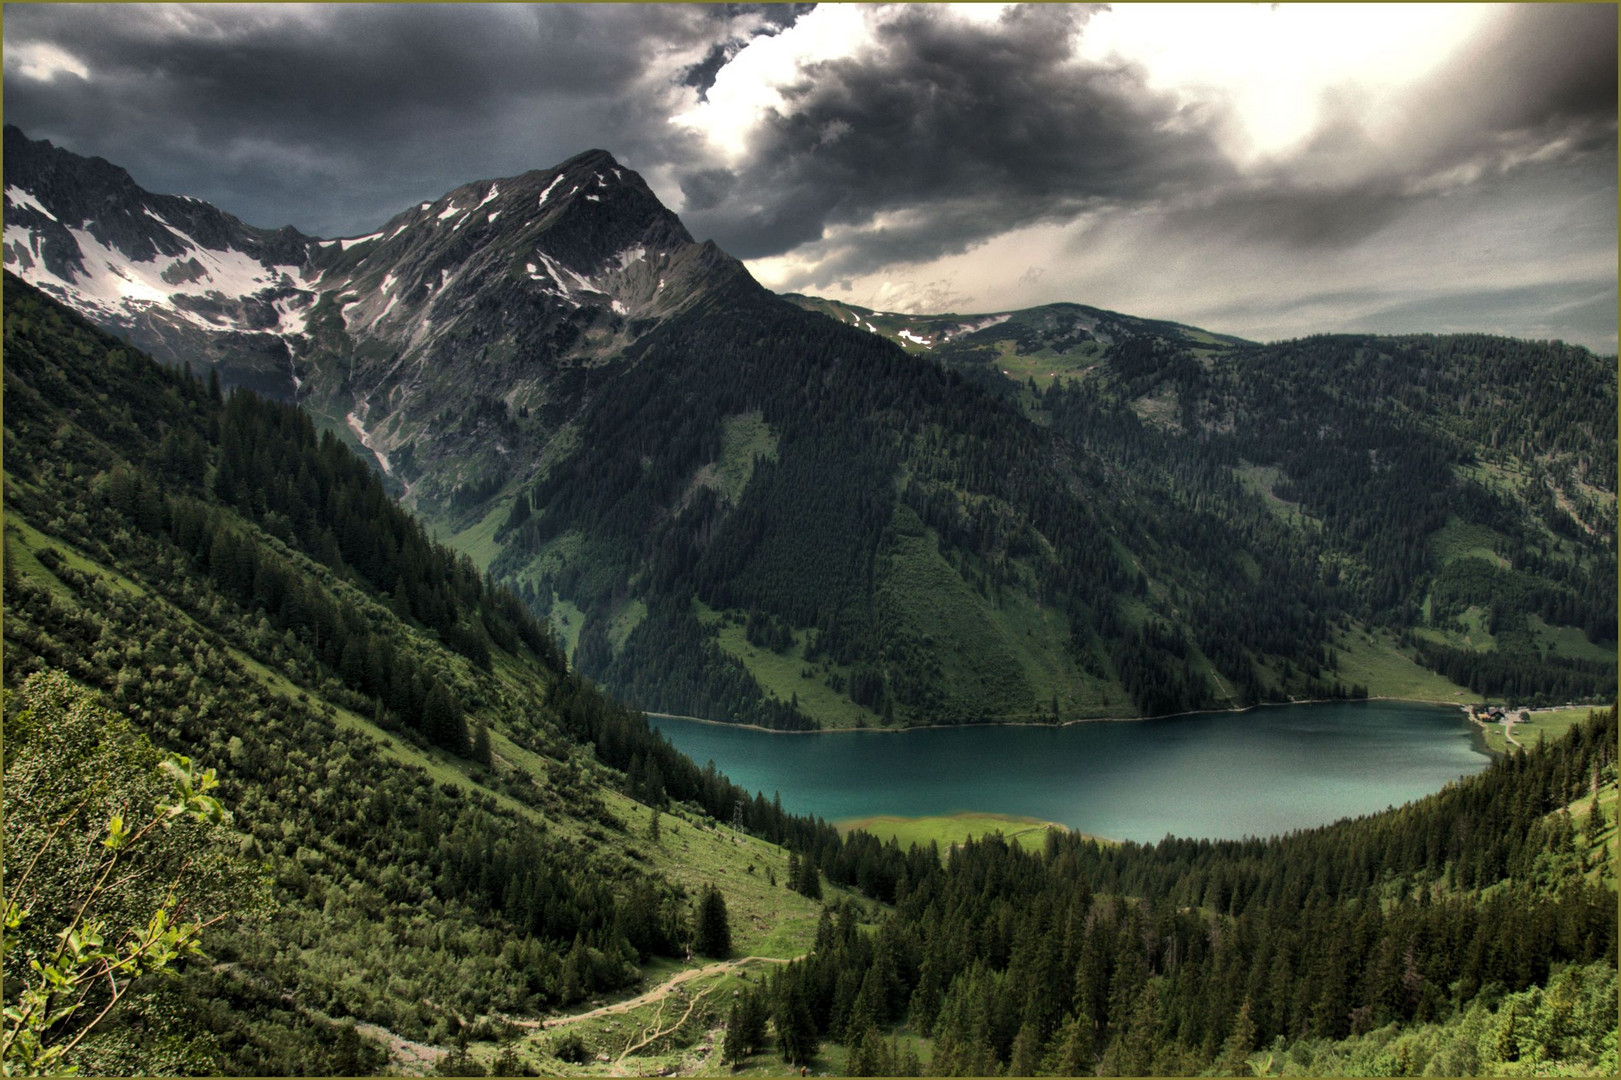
565,265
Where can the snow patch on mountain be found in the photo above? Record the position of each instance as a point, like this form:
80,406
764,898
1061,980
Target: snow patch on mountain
553,267
347,244
969,328
292,317
388,307
111,284
558,179
19,197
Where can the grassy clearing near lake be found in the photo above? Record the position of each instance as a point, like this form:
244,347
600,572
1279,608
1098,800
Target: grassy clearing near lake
1372,659
566,621
767,919
623,621
1261,480
1469,630
1044,365
680,1032
779,675
924,596
1549,724
1568,641
743,438
1030,833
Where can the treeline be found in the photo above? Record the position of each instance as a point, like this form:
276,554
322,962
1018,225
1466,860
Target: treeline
1526,677
1179,957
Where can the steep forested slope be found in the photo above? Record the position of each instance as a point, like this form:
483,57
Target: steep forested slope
1455,492
402,747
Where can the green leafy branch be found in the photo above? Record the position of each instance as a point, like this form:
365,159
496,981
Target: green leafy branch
84,978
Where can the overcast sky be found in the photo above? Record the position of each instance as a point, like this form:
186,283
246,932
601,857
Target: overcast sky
1262,171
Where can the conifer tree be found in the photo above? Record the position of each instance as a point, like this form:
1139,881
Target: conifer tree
810,880
442,720
796,1028
714,929
746,1026
1240,1043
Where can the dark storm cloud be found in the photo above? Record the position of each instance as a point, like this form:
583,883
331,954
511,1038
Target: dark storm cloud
933,134
938,112
945,133
1539,85
334,117
1544,66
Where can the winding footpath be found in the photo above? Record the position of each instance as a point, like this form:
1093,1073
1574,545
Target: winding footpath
655,995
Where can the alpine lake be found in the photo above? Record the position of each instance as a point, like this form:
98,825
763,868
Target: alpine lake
1267,771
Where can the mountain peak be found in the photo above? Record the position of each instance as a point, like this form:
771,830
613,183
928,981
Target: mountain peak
596,158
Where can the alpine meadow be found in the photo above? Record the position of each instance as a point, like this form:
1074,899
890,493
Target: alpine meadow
483,628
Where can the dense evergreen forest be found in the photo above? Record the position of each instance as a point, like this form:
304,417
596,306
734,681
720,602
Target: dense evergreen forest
1384,444
1476,921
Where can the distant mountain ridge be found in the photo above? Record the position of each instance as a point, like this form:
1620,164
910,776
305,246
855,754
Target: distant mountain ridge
797,512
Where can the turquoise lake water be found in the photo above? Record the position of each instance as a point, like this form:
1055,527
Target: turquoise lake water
1267,771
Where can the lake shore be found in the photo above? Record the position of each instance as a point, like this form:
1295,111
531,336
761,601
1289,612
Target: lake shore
1210,775
1066,723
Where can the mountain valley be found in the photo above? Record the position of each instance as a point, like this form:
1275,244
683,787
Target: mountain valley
446,838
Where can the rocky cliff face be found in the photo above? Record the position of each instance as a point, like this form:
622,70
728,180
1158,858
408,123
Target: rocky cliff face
462,329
